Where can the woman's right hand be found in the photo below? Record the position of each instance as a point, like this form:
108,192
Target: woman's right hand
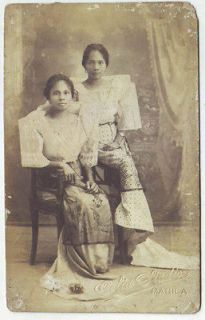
68,172
92,187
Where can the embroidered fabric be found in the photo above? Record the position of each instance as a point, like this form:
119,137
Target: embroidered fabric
41,141
116,100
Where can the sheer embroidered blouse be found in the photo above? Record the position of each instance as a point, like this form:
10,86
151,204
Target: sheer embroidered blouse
42,140
116,101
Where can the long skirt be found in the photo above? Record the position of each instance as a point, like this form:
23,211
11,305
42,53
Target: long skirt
133,213
86,244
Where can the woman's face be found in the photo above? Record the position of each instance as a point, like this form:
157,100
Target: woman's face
95,65
60,95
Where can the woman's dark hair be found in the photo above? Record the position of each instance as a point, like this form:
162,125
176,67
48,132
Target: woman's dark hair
53,80
95,47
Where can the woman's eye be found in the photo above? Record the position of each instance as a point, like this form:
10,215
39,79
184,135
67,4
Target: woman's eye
101,62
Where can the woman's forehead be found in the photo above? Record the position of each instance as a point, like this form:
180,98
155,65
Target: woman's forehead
95,55
61,84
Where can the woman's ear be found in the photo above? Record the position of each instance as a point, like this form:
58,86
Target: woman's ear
76,95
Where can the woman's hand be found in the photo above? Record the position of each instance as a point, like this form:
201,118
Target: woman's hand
92,187
68,172
116,144
110,147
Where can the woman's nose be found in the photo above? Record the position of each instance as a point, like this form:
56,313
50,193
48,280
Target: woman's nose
96,66
61,97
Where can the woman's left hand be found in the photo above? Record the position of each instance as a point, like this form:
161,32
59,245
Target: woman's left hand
92,187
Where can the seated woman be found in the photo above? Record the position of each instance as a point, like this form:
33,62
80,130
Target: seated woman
55,136
115,101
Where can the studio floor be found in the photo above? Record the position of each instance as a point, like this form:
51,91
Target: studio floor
158,290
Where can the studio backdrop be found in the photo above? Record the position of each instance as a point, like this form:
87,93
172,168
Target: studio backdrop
157,46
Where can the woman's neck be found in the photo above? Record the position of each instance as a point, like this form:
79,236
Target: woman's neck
53,113
94,83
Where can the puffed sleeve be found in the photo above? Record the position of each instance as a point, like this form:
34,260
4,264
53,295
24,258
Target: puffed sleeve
31,145
129,114
89,151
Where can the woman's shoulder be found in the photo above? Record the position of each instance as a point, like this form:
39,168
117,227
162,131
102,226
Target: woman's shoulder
35,116
78,83
119,79
120,82
117,84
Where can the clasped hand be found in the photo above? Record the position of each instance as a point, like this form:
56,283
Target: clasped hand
116,144
69,174
70,177
92,187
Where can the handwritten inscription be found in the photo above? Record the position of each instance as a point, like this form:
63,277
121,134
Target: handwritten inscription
124,283
173,274
145,281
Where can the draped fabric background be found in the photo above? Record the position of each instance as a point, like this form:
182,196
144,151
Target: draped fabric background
156,44
173,53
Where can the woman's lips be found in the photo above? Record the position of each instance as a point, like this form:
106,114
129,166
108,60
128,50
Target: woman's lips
96,73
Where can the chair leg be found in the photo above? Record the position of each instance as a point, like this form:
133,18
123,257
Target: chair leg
122,246
60,222
34,220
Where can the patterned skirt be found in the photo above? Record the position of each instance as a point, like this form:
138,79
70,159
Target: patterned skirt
87,235
133,211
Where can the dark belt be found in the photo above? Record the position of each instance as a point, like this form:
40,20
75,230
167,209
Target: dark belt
109,123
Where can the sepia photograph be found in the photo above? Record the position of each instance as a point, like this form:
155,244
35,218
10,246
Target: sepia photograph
102,175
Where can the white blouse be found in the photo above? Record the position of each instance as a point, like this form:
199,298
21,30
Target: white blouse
115,101
41,140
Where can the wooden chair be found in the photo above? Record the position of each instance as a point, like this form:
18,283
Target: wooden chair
107,177
39,205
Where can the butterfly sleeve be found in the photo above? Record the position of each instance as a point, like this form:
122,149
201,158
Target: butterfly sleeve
31,145
129,114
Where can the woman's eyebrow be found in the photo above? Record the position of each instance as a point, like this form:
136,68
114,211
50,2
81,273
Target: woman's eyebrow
91,60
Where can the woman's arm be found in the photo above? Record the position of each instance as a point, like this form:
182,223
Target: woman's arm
90,183
67,170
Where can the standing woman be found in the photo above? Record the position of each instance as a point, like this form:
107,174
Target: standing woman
115,101
56,137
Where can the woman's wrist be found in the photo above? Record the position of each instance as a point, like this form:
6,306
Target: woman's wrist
90,179
89,176
88,173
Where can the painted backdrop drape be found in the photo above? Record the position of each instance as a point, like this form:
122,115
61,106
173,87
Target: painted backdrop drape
174,59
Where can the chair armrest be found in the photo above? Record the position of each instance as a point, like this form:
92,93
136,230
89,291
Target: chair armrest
41,177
